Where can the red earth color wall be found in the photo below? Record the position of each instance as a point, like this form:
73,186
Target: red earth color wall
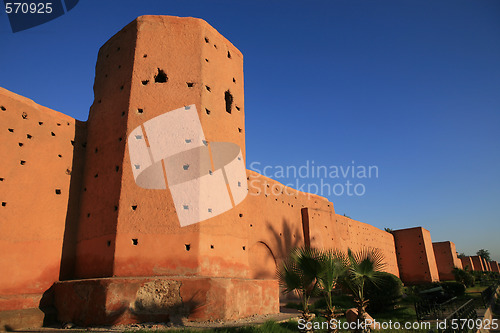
78,233
40,173
486,264
495,267
478,263
415,255
467,262
446,259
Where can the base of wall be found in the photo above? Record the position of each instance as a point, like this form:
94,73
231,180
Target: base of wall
21,319
113,301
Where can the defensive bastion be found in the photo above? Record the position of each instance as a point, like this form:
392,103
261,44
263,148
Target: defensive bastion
96,224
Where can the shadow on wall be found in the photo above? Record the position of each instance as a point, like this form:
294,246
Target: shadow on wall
266,255
286,239
68,256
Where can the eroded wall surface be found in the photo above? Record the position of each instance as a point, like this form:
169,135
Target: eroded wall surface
446,259
40,166
415,255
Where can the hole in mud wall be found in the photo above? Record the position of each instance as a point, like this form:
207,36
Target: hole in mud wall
140,110
211,246
145,56
240,215
121,87
40,123
237,108
188,247
161,76
72,142
215,46
58,191
134,207
120,139
190,84
117,168
144,82
24,115
229,54
52,133
207,40
3,108
244,248
2,179
68,172
23,162
96,175
239,130
58,124
20,144
206,60
29,136
11,130
4,204
116,208
251,225
234,80
59,155
135,241
123,113
229,101
96,150
88,214
208,88
207,111
109,243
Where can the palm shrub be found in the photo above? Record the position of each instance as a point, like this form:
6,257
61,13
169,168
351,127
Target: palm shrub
385,295
365,266
298,274
333,268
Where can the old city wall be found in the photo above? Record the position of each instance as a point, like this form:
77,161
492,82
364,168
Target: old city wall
415,255
41,161
446,259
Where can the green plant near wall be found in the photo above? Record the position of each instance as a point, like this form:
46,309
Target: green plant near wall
299,274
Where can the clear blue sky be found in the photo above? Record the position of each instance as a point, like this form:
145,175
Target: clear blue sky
412,87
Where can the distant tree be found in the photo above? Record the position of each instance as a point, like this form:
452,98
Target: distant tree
485,254
389,230
461,255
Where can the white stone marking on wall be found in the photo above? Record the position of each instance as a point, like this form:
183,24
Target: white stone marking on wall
198,192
